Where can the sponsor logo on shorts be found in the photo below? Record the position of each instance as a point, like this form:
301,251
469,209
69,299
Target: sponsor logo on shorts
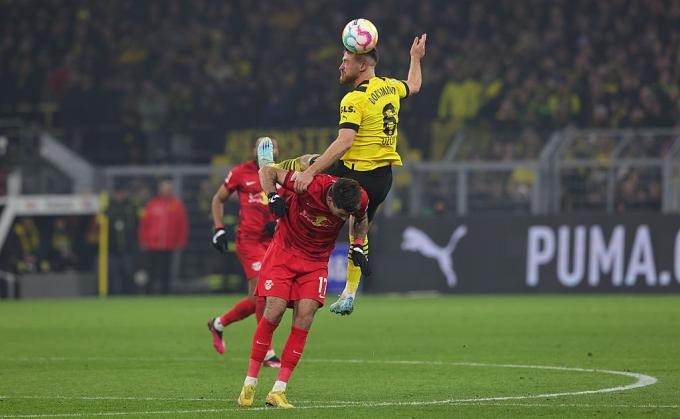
268,284
256,266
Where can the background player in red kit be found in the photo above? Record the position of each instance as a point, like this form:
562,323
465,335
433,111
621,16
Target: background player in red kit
295,267
255,231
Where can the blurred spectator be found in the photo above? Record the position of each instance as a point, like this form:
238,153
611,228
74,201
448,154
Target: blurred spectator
638,191
25,248
163,229
152,107
89,248
438,208
123,249
62,254
460,99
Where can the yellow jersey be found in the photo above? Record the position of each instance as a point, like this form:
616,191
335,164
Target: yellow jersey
372,110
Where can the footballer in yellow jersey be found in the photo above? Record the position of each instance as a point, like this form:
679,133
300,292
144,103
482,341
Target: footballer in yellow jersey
372,111
368,126
365,148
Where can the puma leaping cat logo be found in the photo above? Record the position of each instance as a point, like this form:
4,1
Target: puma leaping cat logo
415,240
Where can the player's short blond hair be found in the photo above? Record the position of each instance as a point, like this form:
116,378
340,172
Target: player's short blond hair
371,57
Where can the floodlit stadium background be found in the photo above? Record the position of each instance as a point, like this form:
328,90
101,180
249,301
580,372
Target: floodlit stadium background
558,109
542,157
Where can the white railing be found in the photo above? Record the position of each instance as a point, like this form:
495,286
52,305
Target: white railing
604,171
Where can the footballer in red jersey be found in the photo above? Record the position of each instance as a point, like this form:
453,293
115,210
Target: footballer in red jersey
295,267
255,231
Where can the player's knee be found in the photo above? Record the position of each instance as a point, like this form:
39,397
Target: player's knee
274,310
303,321
273,316
304,315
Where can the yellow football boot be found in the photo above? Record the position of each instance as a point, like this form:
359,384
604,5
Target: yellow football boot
278,399
247,396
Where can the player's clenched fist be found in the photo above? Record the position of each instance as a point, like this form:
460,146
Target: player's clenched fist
359,259
277,205
219,240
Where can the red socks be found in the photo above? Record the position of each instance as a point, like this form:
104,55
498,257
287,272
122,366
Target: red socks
292,352
240,311
261,343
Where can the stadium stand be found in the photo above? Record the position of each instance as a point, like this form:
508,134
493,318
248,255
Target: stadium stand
185,82
187,72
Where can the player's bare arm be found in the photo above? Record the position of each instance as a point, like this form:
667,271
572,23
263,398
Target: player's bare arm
306,160
415,75
358,227
219,239
334,151
270,176
217,205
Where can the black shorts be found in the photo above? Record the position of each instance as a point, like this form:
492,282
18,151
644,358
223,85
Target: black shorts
376,182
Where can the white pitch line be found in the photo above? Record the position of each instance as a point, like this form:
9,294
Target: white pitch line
579,405
129,398
642,380
108,358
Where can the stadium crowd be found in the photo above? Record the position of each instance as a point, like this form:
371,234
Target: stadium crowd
141,74
130,82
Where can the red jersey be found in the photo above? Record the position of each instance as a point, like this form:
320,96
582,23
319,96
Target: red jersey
309,229
164,224
254,211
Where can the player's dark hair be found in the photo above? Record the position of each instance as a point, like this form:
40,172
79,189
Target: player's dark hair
346,194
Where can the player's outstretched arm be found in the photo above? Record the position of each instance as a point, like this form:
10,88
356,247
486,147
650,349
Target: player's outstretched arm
334,151
415,74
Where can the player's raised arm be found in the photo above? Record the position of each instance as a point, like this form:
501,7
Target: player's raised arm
415,75
269,177
334,151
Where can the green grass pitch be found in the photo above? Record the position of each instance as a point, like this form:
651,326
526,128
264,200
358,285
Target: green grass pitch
422,357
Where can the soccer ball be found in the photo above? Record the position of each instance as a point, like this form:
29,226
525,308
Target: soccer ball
360,36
